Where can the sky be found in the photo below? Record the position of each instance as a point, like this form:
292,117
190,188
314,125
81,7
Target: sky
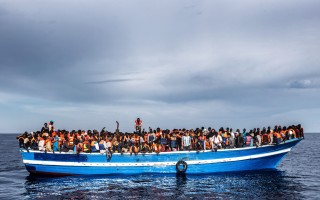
173,63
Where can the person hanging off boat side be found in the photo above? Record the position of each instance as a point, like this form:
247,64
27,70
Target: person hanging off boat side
159,140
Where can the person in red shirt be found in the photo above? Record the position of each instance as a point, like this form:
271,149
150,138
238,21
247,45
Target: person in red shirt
138,125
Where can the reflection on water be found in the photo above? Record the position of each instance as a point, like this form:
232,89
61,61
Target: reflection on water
266,185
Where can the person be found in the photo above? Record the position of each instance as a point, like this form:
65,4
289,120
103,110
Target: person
239,141
136,148
144,148
34,142
216,141
249,139
41,143
270,135
56,142
51,127
277,136
151,136
48,144
201,141
115,145
186,141
20,138
45,128
231,139
138,124
258,138
173,141
27,141
102,146
265,137
208,144
179,140
163,140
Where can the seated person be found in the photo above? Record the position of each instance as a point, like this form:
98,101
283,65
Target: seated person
144,148
94,146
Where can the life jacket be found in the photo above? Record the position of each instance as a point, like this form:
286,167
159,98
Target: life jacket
85,147
283,133
208,146
248,140
70,139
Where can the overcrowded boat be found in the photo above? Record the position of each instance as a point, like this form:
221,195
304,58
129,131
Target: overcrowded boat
198,151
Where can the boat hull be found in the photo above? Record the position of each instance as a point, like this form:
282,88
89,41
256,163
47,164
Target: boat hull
242,159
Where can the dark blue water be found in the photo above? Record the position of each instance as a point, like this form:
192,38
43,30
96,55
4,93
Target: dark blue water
297,177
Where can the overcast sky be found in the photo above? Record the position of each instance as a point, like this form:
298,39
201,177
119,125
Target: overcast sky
174,64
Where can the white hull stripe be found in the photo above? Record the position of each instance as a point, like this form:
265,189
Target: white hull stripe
153,164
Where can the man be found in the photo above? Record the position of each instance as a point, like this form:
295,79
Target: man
138,125
216,141
186,141
45,128
51,126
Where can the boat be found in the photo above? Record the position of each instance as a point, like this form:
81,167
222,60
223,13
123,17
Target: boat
266,157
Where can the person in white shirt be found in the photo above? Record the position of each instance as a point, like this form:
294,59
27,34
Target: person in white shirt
186,141
216,141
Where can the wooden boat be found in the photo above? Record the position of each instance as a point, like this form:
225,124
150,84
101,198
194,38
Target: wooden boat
188,162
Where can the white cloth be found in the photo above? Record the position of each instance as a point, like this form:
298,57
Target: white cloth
41,145
217,139
186,140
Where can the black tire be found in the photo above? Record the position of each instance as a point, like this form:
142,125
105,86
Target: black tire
181,167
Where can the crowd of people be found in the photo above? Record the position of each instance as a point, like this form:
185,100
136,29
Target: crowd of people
159,140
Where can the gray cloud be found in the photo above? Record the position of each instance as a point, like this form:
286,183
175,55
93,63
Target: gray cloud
111,81
164,54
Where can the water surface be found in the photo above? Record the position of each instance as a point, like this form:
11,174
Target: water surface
297,177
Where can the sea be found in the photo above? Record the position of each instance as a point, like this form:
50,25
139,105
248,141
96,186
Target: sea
297,177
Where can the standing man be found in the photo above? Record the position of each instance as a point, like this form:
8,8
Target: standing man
51,126
186,141
138,125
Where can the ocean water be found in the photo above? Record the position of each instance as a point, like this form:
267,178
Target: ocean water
297,177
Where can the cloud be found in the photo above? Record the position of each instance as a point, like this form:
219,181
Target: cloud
301,84
155,57
111,81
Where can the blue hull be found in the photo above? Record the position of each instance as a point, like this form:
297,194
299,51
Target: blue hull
242,159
